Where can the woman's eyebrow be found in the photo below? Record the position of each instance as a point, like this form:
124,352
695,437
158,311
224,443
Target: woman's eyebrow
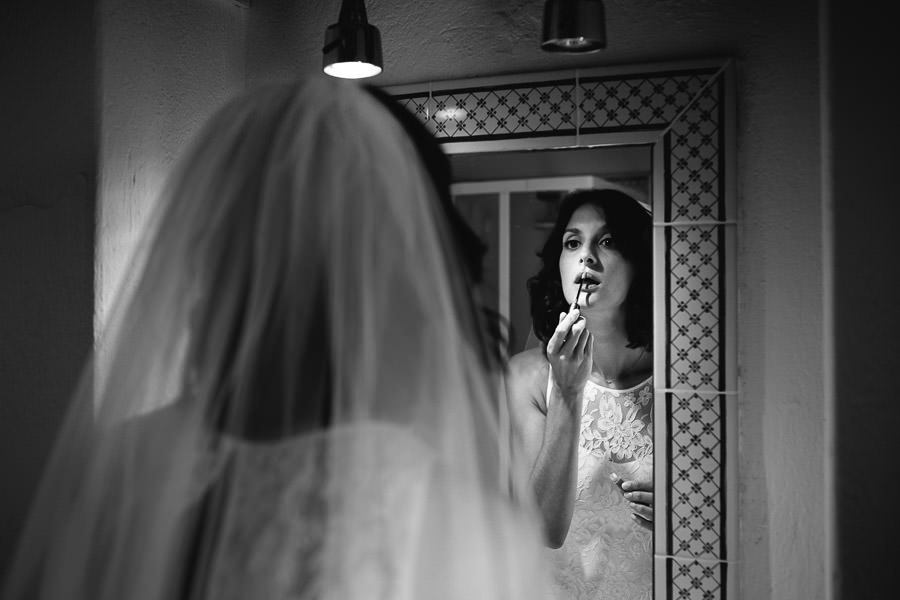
602,231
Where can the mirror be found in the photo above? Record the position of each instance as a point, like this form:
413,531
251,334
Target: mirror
681,116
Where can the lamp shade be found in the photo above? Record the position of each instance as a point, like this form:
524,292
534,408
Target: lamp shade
352,47
574,26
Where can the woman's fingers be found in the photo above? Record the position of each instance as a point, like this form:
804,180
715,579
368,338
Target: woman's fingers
640,500
640,497
563,331
583,340
637,485
565,350
577,334
556,340
645,523
641,510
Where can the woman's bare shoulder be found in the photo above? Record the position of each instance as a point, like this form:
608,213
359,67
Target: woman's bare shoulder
529,367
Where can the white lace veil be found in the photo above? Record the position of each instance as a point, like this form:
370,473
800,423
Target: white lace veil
297,397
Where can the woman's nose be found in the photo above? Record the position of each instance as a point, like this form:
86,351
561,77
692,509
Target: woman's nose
587,259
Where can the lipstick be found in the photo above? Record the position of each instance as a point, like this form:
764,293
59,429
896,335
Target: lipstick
580,285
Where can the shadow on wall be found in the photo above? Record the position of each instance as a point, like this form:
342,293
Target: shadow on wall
47,209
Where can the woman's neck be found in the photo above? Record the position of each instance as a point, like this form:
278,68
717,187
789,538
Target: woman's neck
615,364
607,327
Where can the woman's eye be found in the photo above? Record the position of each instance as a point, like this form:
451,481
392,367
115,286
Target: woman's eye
606,242
571,244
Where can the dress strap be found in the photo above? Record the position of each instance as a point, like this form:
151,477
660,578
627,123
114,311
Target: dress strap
549,386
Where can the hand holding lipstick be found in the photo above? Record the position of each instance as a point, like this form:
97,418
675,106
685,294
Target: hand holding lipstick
570,352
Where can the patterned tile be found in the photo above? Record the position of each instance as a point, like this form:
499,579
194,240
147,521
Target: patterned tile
697,455
695,160
635,102
692,580
695,327
506,112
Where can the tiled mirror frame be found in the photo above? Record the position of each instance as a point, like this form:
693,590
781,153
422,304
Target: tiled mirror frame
685,113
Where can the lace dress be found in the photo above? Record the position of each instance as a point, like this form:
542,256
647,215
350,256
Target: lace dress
366,512
276,545
606,554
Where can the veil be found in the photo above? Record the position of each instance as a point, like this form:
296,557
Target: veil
293,396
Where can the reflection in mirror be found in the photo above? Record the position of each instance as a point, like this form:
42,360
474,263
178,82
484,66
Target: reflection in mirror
580,386
511,198
684,114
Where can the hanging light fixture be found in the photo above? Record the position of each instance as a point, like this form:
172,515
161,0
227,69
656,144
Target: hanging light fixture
574,26
352,47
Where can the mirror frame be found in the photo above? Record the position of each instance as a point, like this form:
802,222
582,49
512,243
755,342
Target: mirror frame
685,112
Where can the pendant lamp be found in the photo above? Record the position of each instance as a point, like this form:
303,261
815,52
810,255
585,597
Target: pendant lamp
352,47
574,26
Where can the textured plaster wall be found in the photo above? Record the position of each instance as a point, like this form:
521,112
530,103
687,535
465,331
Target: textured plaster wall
780,264
47,180
780,273
98,99
165,65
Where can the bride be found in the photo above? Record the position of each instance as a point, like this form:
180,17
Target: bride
295,396
582,401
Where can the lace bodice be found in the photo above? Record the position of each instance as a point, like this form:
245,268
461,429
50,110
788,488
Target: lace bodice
606,554
370,512
276,545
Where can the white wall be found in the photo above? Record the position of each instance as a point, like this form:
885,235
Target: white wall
165,66
780,323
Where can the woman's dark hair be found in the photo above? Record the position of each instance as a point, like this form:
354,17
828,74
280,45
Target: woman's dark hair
630,226
470,249
268,417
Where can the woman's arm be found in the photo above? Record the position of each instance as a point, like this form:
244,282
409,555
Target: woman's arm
547,429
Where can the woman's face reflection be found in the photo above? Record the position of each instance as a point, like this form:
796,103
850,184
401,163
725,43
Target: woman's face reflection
588,247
